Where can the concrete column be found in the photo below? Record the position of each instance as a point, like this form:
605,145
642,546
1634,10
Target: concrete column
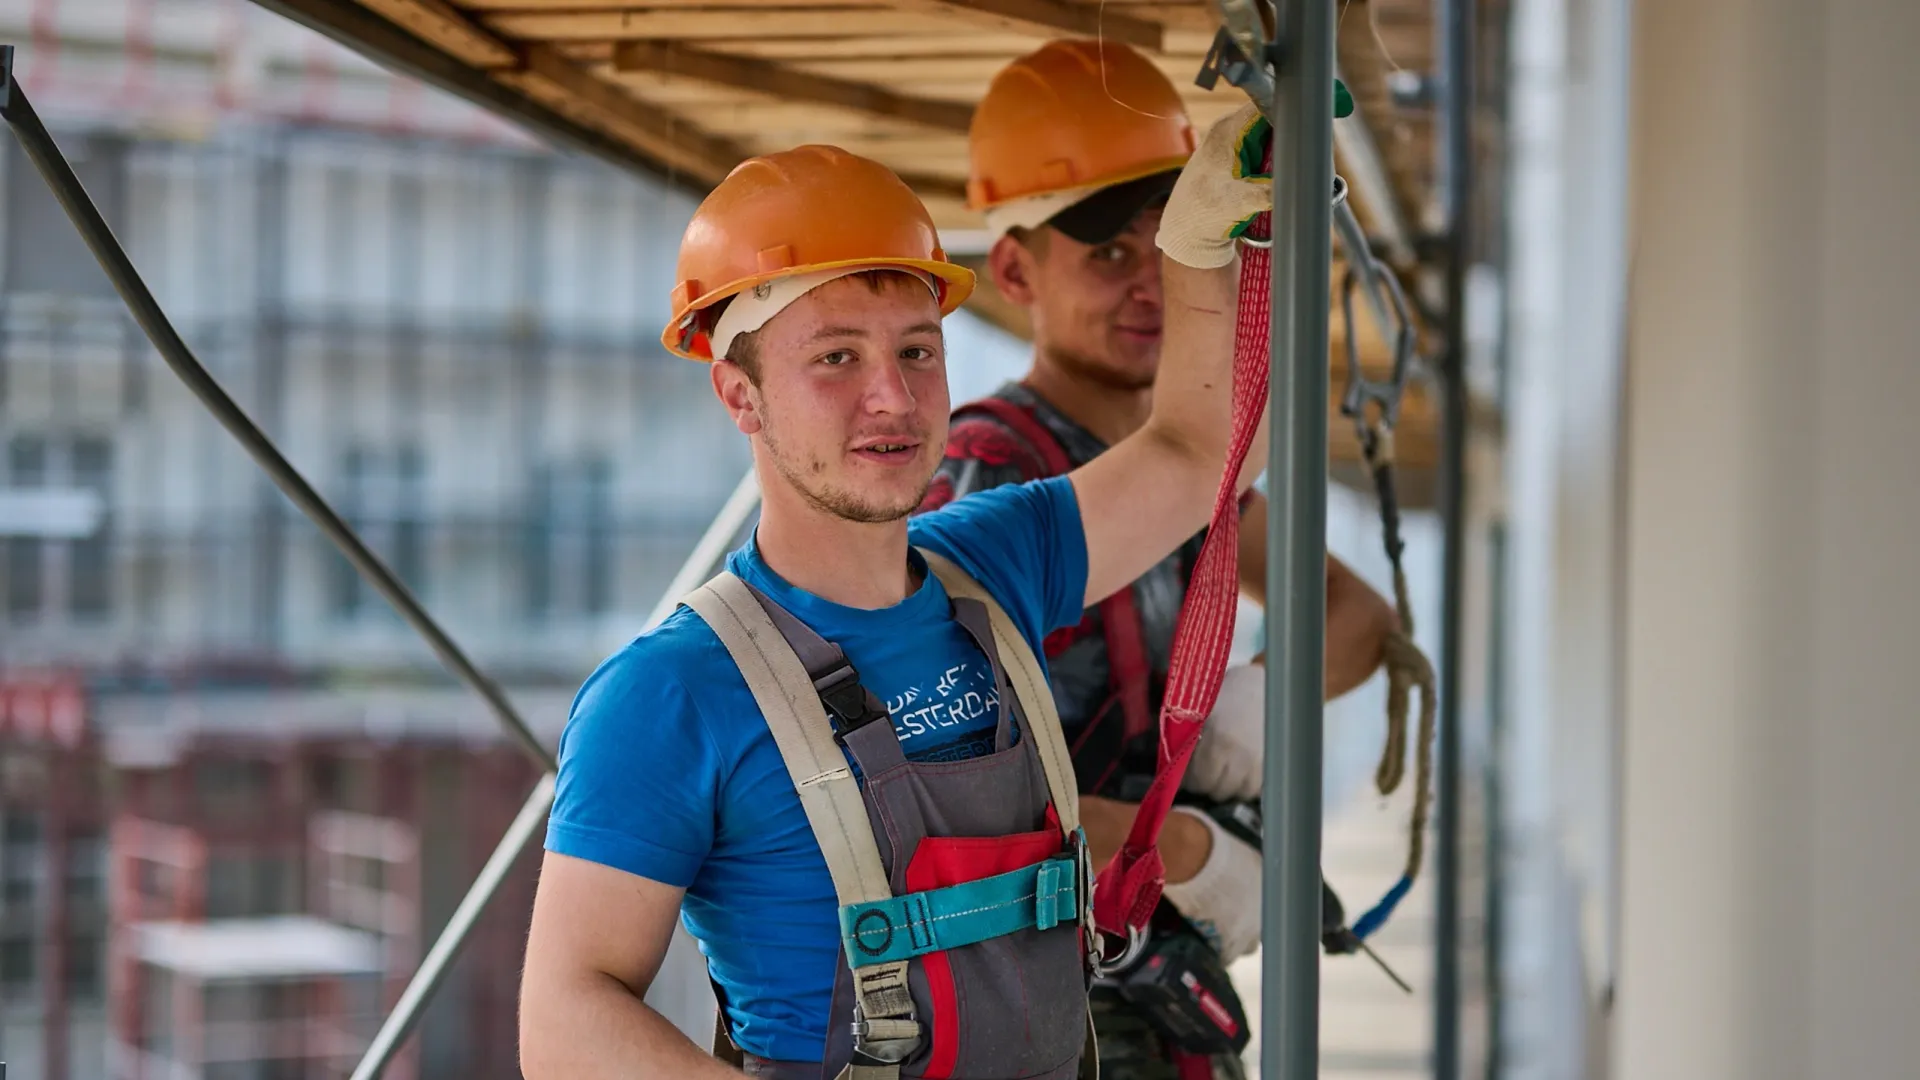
1770,863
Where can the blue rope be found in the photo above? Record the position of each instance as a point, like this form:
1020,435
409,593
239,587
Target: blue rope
1382,911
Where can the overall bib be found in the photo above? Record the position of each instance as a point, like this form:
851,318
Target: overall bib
963,886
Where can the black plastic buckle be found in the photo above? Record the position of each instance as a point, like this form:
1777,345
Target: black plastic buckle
847,700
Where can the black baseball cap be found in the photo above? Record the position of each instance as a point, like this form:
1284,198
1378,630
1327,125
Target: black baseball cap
1106,213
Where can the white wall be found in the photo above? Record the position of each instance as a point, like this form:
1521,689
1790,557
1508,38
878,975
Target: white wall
1568,99
1769,870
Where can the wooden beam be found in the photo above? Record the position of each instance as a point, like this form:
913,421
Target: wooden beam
571,89
680,25
789,84
807,123
866,47
438,24
934,186
1048,17
738,6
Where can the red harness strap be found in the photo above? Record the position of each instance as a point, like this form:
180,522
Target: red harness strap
1119,616
1129,886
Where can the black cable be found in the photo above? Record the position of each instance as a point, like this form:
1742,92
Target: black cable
52,164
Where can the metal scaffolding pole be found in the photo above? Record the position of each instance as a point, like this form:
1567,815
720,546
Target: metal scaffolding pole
1302,113
1456,175
446,948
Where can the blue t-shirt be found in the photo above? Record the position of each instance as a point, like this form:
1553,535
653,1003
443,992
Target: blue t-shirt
668,770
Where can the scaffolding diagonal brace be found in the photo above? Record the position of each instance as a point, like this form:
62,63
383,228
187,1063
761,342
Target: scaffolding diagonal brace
446,948
706,554
53,167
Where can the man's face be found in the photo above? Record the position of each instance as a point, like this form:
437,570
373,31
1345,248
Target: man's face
1096,307
851,403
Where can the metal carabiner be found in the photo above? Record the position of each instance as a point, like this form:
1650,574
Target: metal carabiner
1360,389
1136,944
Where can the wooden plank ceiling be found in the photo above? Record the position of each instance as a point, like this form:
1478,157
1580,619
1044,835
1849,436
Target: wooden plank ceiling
696,86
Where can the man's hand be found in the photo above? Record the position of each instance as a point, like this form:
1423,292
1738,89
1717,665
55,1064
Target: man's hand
596,942
1221,900
1220,191
1229,761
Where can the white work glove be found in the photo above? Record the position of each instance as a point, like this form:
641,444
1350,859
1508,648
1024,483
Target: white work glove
1229,762
1222,901
1220,190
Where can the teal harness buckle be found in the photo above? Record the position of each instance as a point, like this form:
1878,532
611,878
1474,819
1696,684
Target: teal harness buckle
1041,896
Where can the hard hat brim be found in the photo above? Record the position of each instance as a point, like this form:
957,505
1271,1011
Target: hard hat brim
679,340
1108,212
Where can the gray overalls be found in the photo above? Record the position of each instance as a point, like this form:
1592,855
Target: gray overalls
963,886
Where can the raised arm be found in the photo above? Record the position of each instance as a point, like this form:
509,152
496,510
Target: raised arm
596,943
1359,619
1154,489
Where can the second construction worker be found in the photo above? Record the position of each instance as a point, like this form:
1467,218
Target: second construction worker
1074,150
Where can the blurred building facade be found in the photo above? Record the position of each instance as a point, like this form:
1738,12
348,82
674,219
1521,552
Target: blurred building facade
237,797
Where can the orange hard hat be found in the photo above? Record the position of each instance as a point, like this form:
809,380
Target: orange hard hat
799,211
1070,115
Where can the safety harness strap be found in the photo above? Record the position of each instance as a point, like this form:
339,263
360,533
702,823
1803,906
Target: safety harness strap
1120,622
1029,685
798,720
793,676
786,694
1040,896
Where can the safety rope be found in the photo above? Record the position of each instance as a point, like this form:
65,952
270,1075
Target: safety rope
1407,667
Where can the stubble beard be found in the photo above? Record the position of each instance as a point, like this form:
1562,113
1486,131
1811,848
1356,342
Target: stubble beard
1081,366
841,503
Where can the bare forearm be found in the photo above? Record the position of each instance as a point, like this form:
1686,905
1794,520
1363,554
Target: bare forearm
589,1026
1358,622
1184,843
1155,488
1193,391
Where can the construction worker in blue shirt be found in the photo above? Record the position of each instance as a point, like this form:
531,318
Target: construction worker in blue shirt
874,900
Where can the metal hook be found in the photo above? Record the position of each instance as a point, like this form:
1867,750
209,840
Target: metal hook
1240,19
1360,389
1227,58
1136,944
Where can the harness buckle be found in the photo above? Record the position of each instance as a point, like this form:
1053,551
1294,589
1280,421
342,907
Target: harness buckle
848,700
878,1042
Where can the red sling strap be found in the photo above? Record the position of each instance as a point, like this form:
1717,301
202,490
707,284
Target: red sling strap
1129,886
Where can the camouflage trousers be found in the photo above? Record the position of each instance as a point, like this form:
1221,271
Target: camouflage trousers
1131,1049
